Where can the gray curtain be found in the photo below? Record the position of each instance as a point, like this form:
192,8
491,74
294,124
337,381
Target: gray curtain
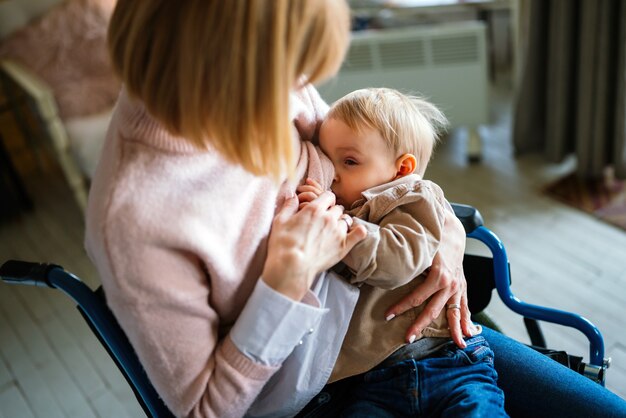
570,92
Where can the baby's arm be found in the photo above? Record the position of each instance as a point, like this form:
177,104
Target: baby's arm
404,242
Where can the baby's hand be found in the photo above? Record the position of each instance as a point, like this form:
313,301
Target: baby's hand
308,192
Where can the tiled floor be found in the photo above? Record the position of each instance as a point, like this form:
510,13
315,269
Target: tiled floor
52,366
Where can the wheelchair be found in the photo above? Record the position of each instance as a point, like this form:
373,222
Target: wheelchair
483,274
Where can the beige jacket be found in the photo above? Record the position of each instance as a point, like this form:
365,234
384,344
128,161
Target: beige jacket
404,219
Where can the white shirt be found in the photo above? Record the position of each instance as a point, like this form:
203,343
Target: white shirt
306,336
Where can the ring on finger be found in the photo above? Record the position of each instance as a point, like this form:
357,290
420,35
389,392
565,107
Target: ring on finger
453,306
347,219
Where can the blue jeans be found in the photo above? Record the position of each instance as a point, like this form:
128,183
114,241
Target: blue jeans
452,382
537,386
533,384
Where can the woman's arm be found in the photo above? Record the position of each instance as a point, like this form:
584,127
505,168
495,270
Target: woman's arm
160,297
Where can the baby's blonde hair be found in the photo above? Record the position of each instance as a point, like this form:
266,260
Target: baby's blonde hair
219,72
408,124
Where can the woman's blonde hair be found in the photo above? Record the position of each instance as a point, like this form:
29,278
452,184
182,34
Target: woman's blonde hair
408,124
219,72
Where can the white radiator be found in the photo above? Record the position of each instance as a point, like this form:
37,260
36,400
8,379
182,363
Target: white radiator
446,63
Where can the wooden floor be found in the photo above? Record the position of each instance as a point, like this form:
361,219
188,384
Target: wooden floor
52,366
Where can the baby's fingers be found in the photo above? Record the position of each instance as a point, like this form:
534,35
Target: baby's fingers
313,183
306,197
306,188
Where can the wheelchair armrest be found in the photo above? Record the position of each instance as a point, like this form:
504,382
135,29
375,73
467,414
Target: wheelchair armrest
541,313
27,273
469,216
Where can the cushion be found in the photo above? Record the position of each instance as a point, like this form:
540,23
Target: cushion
86,135
66,47
17,13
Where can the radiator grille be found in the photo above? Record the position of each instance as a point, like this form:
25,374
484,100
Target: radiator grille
447,63
404,53
359,58
455,50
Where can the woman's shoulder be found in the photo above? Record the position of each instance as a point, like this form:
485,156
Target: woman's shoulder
134,123
145,192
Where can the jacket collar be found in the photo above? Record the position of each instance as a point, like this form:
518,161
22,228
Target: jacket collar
372,192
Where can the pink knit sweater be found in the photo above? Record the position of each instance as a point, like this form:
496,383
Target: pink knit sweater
179,239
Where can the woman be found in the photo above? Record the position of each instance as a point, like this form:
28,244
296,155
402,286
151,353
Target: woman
201,161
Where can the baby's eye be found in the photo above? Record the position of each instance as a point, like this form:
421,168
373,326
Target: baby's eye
349,161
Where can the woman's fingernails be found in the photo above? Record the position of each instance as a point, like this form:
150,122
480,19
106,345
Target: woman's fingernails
412,338
389,317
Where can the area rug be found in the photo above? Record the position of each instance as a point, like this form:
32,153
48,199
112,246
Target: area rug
604,198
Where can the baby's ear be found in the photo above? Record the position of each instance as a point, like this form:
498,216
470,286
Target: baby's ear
405,165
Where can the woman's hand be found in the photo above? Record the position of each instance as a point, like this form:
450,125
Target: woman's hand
306,242
445,285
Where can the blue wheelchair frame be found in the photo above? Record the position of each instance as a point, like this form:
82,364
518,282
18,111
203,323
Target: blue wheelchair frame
596,367
92,305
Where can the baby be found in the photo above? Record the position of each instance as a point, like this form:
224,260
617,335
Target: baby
380,141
